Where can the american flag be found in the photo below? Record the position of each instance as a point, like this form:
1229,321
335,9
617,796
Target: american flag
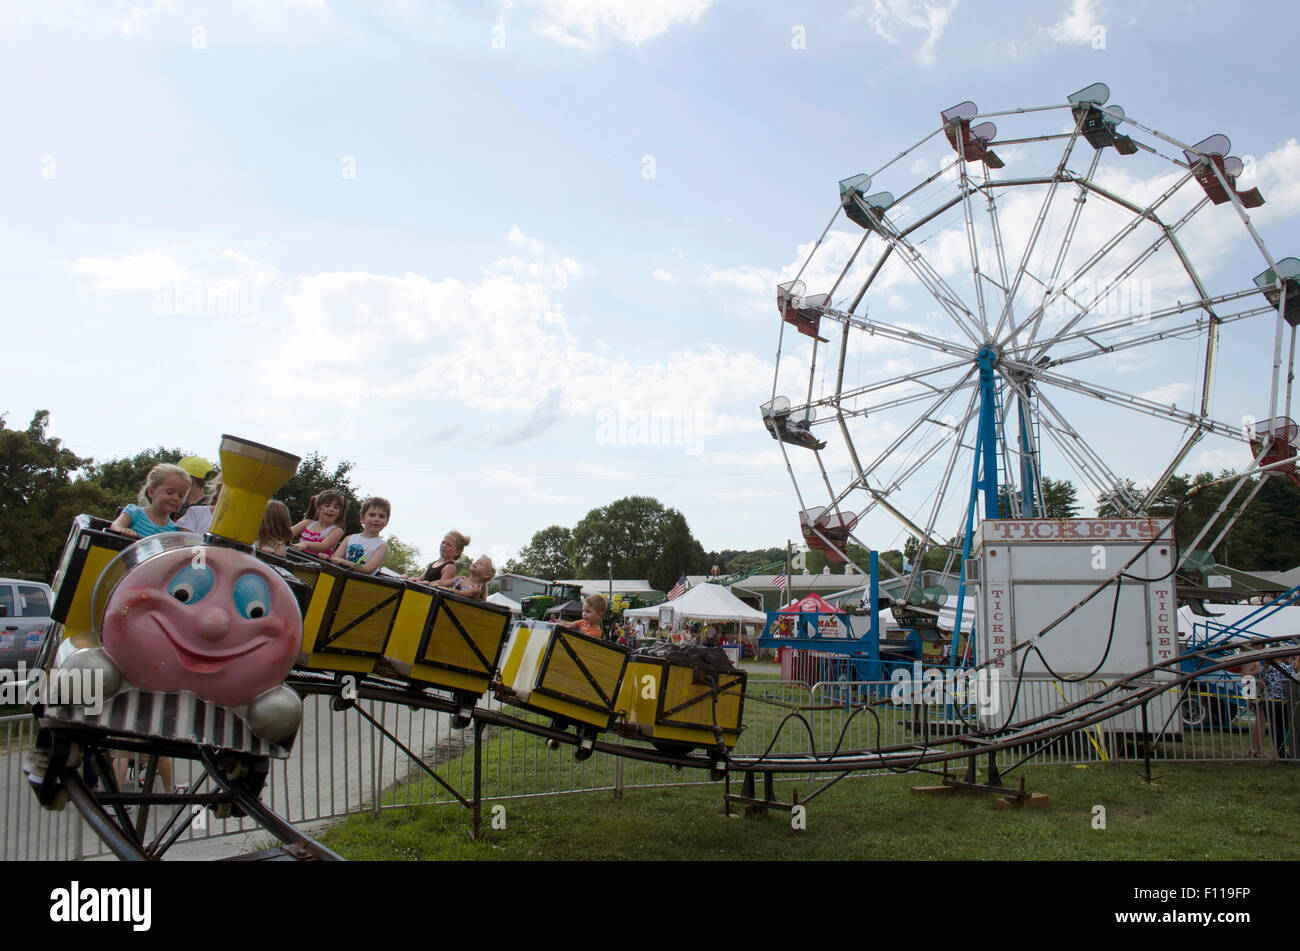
781,581
678,589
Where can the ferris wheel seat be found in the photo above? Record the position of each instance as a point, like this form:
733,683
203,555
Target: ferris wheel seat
804,313
863,210
1211,153
1267,283
1097,125
787,426
970,142
827,530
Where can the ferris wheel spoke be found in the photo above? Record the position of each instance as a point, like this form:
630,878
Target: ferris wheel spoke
1007,318
902,335
947,480
1086,462
928,277
972,248
931,410
1116,397
1096,333
1177,332
1168,233
875,408
902,378
1071,229
1008,295
1034,320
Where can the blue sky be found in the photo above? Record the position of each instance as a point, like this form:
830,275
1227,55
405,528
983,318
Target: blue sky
518,259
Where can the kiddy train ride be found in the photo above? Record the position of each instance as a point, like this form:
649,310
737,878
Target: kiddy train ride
203,649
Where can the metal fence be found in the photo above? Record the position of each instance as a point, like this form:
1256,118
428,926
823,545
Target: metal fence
341,764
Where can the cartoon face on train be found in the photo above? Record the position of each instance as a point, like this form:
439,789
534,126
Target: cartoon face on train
218,623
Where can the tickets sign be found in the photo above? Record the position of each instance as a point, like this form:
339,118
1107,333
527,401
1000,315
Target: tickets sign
1074,529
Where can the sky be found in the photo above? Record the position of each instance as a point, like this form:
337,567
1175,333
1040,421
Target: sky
516,259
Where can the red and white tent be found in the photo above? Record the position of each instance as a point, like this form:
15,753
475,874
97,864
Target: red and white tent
831,621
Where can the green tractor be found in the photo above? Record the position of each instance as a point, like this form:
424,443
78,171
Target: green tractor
536,605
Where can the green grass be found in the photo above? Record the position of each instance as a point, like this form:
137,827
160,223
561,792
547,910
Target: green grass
1191,811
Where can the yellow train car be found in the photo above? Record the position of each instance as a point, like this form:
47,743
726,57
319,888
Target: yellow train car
679,706
570,676
442,640
348,617
87,552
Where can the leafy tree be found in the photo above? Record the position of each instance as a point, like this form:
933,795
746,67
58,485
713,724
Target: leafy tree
121,479
38,498
1266,537
313,477
1112,505
546,556
403,557
635,537
1060,498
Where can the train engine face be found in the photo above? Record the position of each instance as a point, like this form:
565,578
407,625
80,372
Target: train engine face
210,620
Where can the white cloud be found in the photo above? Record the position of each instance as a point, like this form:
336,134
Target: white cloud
889,18
659,274
518,237
142,271
1076,26
1215,460
1278,176
590,24
1168,394
756,281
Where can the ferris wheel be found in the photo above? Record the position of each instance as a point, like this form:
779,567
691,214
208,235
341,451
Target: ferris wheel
1071,297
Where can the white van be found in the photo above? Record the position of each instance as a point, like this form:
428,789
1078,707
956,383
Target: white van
24,620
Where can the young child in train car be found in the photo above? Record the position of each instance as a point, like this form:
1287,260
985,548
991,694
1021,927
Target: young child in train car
366,552
199,470
593,610
475,586
276,531
163,493
444,569
197,518
322,529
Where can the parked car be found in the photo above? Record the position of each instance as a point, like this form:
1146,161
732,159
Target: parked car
24,620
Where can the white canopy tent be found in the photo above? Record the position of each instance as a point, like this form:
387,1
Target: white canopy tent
496,597
705,602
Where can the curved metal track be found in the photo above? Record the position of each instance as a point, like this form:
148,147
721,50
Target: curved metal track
105,813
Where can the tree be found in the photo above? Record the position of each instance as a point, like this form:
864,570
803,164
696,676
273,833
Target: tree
546,556
311,478
403,557
121,479
38,498
1060,498
1112,505
635,537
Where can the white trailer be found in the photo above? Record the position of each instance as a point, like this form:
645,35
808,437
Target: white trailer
1024,574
